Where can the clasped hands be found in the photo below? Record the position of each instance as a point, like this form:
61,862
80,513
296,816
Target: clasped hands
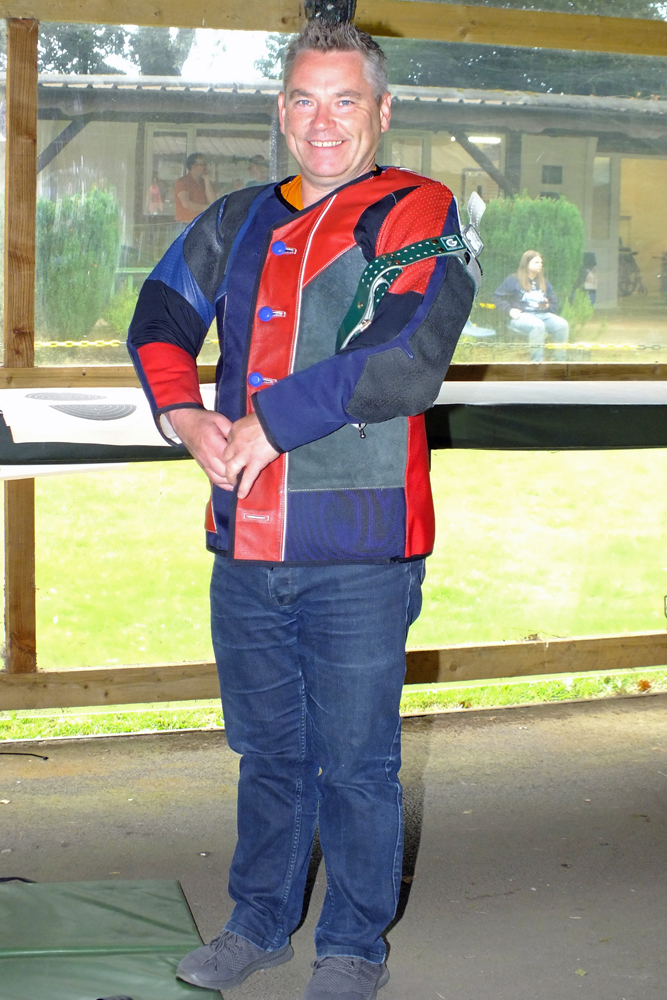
224,449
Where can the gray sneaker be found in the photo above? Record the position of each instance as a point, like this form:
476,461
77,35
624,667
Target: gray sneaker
338,977
228,961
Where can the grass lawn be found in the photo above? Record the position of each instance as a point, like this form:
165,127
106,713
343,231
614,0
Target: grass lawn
529,544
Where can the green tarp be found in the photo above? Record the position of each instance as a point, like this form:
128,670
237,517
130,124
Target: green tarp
85,940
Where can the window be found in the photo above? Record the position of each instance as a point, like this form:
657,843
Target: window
552,175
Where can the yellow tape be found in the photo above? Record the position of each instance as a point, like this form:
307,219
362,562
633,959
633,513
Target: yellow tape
94,343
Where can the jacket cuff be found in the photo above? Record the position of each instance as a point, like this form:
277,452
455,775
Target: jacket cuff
163,422
264,425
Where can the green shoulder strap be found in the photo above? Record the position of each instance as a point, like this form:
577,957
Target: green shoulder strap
378,277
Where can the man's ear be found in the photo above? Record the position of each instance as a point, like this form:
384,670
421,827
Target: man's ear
281,112
385,112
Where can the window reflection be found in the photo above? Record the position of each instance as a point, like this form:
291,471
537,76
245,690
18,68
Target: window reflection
543,131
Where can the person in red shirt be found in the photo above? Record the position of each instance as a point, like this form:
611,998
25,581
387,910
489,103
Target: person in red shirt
193,192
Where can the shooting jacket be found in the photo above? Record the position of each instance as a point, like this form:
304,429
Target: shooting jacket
279,282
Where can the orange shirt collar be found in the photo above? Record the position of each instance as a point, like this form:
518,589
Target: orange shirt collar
291,192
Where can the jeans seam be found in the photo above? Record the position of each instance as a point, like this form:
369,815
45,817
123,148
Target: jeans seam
399,812
298,813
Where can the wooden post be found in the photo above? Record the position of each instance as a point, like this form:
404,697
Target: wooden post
20,211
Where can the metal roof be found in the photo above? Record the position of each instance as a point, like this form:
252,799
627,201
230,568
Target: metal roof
438,95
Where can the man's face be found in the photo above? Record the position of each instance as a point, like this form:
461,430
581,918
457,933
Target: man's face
198,169
330,118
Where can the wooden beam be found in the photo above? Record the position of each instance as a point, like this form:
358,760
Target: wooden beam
480,157
249,15
124,375
485,25
20,624
481,25
70,132
190,681
100,376
525,659
21,194
19,330
109,686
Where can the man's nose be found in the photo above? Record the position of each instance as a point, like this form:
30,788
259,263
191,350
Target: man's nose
323,118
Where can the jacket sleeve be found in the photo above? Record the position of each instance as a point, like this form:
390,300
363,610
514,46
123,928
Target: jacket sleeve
177,303
397,365
552,299
169,326
508,295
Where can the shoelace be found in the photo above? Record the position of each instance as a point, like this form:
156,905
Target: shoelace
226,940
352,967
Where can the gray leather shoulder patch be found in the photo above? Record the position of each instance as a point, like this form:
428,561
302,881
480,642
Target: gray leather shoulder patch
324,305
206,247
391,382
345,461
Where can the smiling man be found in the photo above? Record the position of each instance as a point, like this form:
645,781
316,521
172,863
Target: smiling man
321,514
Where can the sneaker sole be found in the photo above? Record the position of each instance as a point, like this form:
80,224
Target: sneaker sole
279,958
382,981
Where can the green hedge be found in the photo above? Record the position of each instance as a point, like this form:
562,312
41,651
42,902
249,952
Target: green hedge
513,225
78,247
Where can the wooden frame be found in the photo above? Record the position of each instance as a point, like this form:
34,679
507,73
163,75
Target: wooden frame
19,332
457,664
21,686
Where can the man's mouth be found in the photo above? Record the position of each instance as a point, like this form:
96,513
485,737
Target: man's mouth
325,143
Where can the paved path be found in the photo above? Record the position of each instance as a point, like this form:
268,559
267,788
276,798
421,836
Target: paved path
536,846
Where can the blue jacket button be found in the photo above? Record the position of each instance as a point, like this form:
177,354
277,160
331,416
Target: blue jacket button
255,379
278,248
265,314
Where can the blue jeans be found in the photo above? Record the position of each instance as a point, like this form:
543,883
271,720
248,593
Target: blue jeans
311,662
537,326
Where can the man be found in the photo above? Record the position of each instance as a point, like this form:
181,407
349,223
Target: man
321,512
258,169
193,192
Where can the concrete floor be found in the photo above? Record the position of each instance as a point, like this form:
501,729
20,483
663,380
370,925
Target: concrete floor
536,846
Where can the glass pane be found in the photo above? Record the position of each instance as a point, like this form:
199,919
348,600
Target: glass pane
567,149
113,583
121,113
544,545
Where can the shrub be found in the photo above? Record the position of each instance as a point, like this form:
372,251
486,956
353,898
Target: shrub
577,311
121,310
78,244
513,225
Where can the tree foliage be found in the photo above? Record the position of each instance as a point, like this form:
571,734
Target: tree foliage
78,245
86,48
485,67
79,48
159,51
271,65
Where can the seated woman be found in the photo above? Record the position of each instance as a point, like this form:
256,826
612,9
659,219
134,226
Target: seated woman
532,306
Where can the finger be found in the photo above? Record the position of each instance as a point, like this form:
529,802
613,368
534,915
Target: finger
250,474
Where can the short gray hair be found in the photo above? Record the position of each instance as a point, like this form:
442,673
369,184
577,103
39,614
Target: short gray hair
326,36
